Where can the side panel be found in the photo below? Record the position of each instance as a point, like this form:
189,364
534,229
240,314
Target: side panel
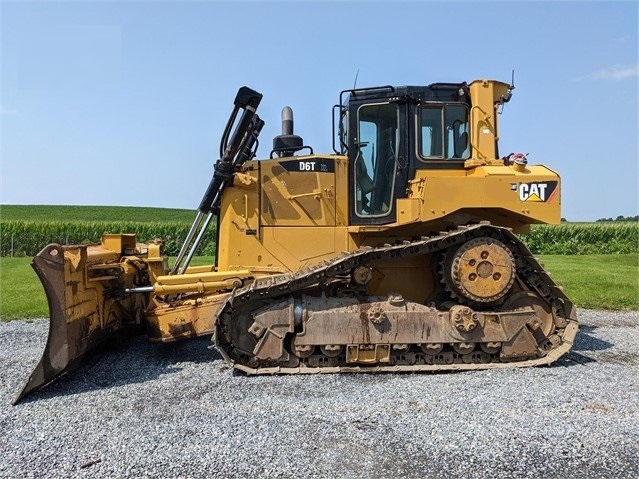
240,232
298,191
283,249
293,214
497,193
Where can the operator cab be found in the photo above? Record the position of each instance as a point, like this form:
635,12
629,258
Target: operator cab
389,132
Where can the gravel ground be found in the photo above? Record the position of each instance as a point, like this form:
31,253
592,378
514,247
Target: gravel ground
176,410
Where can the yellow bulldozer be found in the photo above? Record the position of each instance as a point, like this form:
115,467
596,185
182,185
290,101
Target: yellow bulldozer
396,252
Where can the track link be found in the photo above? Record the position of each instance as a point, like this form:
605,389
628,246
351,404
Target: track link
267,290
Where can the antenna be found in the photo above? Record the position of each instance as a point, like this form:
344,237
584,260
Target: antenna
355,82
505,98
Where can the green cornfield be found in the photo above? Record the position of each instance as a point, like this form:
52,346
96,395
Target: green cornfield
25,230
27,238
72,213
584,238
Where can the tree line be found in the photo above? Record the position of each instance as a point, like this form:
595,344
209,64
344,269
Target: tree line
619,218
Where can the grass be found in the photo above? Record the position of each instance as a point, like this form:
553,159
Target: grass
597,281
591,281
21,294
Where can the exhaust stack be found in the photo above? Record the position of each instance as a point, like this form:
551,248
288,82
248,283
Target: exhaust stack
287,143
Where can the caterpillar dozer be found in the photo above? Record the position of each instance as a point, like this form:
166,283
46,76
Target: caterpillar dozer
396,252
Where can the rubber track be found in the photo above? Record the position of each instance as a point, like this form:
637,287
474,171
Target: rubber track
276,287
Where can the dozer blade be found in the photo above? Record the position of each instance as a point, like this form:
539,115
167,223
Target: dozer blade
81,284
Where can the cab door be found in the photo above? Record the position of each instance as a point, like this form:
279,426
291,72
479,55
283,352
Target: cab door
377,159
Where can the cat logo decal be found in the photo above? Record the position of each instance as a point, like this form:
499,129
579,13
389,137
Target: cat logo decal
538,192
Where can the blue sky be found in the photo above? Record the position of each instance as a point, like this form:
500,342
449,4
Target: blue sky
123,103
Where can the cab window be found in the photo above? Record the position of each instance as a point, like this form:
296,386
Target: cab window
443,132
432,135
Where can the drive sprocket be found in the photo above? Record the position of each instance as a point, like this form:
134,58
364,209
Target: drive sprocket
481,270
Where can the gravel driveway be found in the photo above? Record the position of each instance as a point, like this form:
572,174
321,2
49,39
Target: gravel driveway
176,410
